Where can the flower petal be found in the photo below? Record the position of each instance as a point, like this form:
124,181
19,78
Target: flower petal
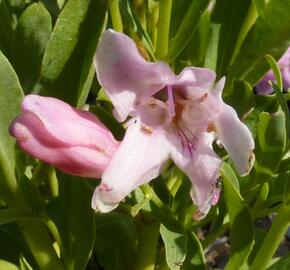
263,87
125,74
68,125
202,167
138,160
236,138
154,113
36,141
199,77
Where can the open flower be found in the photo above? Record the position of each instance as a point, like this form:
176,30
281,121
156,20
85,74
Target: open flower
72,140
173,117
264,88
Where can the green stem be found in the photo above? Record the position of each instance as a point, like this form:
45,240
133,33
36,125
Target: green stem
53,181
154,22
261,198
53,229
148,240
116,15
163,28
139,7
148,191
272,240
8,183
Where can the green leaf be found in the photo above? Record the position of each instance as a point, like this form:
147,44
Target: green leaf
212,49
271,143
231,15
187,27
194,257
31,36
276,70
24,265
107,118
197,47
284,107
4,265
15,245
267,36
116,241
31,195
230,175
174,237
6,30
241,97
140,205
10,97
282,264
75,221
278,88
69,53
179,8
286,194
11,215
259,4
241,224
86,88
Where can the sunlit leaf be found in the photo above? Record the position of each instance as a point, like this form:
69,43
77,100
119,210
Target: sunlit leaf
4,265
10,97
195,257
69,53
31,36
271,144
175,240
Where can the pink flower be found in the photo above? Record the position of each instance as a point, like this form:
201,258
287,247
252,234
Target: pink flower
264,88
72,140
172,117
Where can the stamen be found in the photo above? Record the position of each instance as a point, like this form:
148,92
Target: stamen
170,101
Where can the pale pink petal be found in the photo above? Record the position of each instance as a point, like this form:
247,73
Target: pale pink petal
138,160
34,139
125,75
154,113
236,138
202,167
68,125
199,77
286,77
199,113
284,61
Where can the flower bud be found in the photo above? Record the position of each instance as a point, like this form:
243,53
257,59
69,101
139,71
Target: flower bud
264,88
72,140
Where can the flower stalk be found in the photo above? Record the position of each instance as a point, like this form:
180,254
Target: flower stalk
116,15
163,28
273,239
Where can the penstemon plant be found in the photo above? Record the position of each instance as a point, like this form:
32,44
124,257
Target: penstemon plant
143,134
